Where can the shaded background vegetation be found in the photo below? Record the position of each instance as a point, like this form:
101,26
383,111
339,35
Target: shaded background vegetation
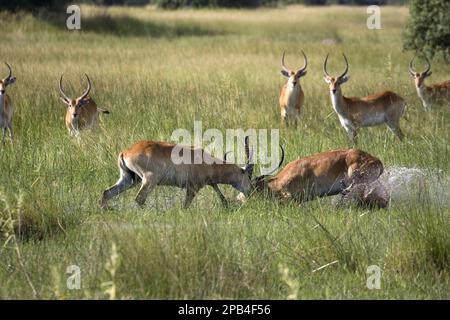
172,4
427,32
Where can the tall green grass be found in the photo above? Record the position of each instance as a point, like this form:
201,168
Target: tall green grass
157,71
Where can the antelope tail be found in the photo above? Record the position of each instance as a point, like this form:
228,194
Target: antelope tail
124,167
2,102
103,110
404,114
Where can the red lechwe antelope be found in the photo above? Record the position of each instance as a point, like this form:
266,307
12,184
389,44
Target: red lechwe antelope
292,96
384,107
82,112
151,162
6,107
323,174
438,93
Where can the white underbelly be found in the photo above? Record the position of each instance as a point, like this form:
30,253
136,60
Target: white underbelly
2,101
329,189
373,119
329,185
290,112
291,102
346,123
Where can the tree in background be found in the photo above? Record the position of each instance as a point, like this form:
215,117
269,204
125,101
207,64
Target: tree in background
428,30
34,5
31,5
314,2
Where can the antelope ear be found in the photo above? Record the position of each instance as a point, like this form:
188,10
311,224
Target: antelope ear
343,79
429,73
249,169
285,73
325,78
302,73
11,80
83,102
64,100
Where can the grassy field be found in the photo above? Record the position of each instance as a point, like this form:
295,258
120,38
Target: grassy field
157,71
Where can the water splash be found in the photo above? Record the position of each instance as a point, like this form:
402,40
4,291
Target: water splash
407,184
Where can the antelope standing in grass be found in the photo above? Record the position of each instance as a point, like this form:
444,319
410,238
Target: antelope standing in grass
292,96
323,174
438,93
384,107
150,163
82,112
6,107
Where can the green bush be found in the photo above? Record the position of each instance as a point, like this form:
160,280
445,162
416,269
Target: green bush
428,30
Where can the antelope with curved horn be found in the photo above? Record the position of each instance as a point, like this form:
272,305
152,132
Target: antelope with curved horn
6,107
151,163
257,180
438,93
292,96
355,112
82,112
323,174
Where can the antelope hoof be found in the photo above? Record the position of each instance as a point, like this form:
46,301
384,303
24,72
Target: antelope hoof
140,205
104,206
